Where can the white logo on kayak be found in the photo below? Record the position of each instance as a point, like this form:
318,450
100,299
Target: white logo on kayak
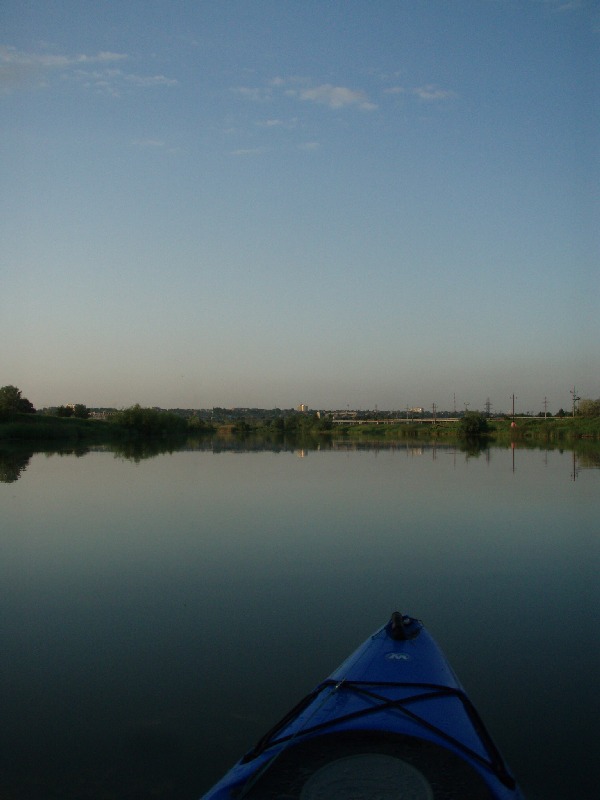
397,657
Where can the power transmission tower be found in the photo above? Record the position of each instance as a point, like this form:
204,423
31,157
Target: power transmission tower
575,399
545,407
488,408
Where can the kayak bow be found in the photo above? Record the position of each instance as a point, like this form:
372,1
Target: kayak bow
392,721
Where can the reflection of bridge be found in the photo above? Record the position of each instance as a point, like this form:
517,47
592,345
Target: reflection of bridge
400,421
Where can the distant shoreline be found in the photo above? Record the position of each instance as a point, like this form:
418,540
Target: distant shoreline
28,427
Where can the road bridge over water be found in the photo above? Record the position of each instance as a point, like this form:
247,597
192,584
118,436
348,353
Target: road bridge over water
424,420
399,421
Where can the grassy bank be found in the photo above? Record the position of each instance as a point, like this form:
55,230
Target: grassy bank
130,424
552,429
69,429
146,424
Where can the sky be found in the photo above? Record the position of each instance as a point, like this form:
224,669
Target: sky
261,204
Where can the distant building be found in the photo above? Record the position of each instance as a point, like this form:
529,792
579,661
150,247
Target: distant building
302,407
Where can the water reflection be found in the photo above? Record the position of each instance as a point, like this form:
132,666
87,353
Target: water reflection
588,457
15,458
12,464
137,450
163,605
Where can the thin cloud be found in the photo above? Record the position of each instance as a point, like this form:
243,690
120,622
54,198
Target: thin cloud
287,124
561,7
101,57
567,6
150,80
19,69
149,143
10,55
334,97
255,94
156,145
271,123
248,151
115,81
292,80
337,97
309,146
432,92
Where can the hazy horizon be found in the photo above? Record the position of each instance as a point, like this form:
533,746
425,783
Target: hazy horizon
439,409
264,204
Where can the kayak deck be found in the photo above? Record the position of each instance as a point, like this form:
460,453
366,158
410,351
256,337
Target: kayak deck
368,764
392,721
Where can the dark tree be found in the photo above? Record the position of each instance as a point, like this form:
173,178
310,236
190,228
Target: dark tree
473,423
589,408
12,402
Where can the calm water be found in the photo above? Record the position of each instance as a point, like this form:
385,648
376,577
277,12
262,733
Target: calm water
159,614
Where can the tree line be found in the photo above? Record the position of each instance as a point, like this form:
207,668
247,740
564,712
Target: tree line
147,420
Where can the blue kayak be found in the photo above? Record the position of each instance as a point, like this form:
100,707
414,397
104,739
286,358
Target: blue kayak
391,722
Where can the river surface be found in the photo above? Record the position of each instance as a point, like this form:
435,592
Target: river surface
159,614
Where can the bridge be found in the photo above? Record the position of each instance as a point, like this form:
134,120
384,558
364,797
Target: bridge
426,420
396,421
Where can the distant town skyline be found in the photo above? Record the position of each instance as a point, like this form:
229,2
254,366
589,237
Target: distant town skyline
545,406
269,203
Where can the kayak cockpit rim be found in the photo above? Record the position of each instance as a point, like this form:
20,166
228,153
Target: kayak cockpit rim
494,762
